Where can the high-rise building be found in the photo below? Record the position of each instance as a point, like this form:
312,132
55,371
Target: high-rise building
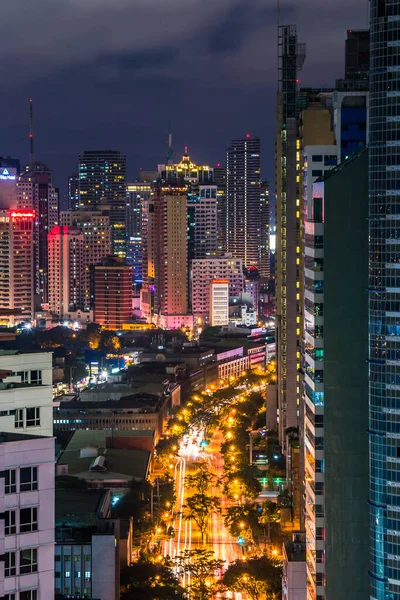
73,192
350,98
66,269
35,190
384,299
219,302
95,226
164,295
206,270
102,180
265,217
16,266
202,222
243,189
187,171
136,194
357,54
112,289
288,230
27,476
335,412
26,392
9,171
219,179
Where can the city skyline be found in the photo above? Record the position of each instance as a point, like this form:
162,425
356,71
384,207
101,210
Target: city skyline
107,77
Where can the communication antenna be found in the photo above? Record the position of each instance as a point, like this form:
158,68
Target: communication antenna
170,152
31,154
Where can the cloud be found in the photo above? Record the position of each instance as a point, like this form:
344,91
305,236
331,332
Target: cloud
153,58
112,72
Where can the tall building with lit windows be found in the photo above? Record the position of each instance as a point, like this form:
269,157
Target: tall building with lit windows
66,269
265,217
384,299
219,178
335,414
95,226
136,195
243,191
102,180
288,230
164,295
35,190
73,192
16,266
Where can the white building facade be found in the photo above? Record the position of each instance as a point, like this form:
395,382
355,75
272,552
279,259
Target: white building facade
27,517
204,271
26,393
219,302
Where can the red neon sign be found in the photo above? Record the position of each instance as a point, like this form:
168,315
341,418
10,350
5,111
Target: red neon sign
22,214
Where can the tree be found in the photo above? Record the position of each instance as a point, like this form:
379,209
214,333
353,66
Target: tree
255,576
109,341
75,368
150,580
91,335
203,568
199,508
270,514
242,517
201,480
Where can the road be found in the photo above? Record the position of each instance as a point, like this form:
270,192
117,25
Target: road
187,535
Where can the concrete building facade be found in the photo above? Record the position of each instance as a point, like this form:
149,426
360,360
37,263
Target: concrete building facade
16,265
66,269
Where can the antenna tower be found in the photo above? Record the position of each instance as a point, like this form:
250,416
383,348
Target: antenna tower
31,155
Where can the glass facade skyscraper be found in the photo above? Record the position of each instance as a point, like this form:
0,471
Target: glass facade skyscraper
384,300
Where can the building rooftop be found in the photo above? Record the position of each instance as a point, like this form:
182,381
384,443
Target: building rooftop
6,437
116,464
295,551
146,402
77,502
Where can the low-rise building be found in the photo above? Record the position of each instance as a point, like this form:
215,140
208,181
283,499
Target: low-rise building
104,460
89,545
131,412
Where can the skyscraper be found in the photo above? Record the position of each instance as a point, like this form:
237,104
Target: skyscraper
102,180
95,226
35,190
264,215
288,230
357,55
66,269
16,265
243,188
384,300
202,222
136,195
164,295
73,192
222,216
335,388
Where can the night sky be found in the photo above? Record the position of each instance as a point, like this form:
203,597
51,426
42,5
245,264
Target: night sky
111,73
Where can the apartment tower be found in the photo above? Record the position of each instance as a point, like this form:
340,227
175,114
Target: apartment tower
102,180
384,299
243,190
